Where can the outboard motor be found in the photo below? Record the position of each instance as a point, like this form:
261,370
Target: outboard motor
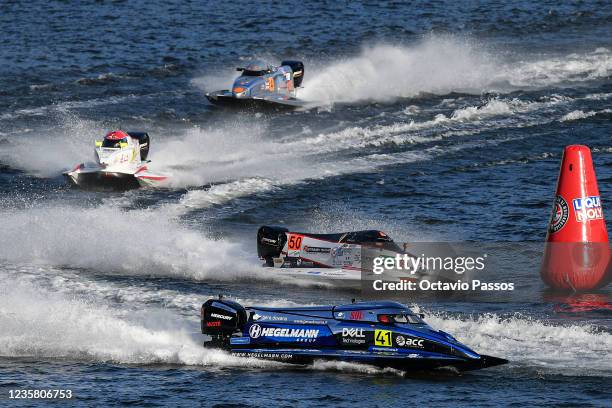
143,141
298,71
270,243
220,319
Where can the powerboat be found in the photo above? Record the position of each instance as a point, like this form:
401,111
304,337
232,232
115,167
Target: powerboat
383,334
121,163
263,85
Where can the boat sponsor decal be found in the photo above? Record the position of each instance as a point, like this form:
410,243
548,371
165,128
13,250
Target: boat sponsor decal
352,332
300,321
256,331
317,250
588,208
353,335
240,340
270,317
383,338
220,316
356,315
409,342
275,356
384,350
560,214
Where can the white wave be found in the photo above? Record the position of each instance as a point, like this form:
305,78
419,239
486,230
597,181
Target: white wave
65,106
576,349
347,367
74,283
221,194
566,69
41,323
46,153
109,239
441,65
226,153
211,155
437,65
579,114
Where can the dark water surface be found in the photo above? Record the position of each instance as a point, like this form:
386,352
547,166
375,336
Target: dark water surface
432,121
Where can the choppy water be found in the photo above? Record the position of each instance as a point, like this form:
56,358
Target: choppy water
433,121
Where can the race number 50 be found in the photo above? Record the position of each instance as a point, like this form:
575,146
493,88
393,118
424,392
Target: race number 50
295,242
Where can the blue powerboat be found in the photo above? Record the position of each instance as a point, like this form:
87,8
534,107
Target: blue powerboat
383,334
262,85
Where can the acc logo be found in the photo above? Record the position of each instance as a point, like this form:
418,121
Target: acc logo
255,331
588,208
560,214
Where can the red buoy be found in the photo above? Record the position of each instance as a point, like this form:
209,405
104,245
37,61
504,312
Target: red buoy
577,252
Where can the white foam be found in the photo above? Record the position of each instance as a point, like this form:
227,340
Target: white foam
236,159
46,153
441,65
221,194
40,324
109,239
555,70
125,295
571,349
579,114
384,72
223,153
347,367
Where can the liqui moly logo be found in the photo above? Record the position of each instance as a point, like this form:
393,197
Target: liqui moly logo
588,208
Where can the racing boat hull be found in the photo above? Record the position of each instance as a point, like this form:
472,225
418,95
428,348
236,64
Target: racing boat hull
378,359
383,334
226,99
97,178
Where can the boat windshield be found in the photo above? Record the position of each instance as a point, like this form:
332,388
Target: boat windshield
252,73
114,144
407,318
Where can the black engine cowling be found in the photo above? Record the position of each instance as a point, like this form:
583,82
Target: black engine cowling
270,243
220,319
298,71
143,141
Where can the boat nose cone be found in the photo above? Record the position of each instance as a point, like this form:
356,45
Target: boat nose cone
240,91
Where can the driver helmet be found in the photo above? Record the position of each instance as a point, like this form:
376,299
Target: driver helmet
258,66
116,135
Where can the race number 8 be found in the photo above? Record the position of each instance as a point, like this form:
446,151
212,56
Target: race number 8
382,338
295,242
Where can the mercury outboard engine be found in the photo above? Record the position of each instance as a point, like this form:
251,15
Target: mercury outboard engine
220,319
270,243
298,71
143,141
